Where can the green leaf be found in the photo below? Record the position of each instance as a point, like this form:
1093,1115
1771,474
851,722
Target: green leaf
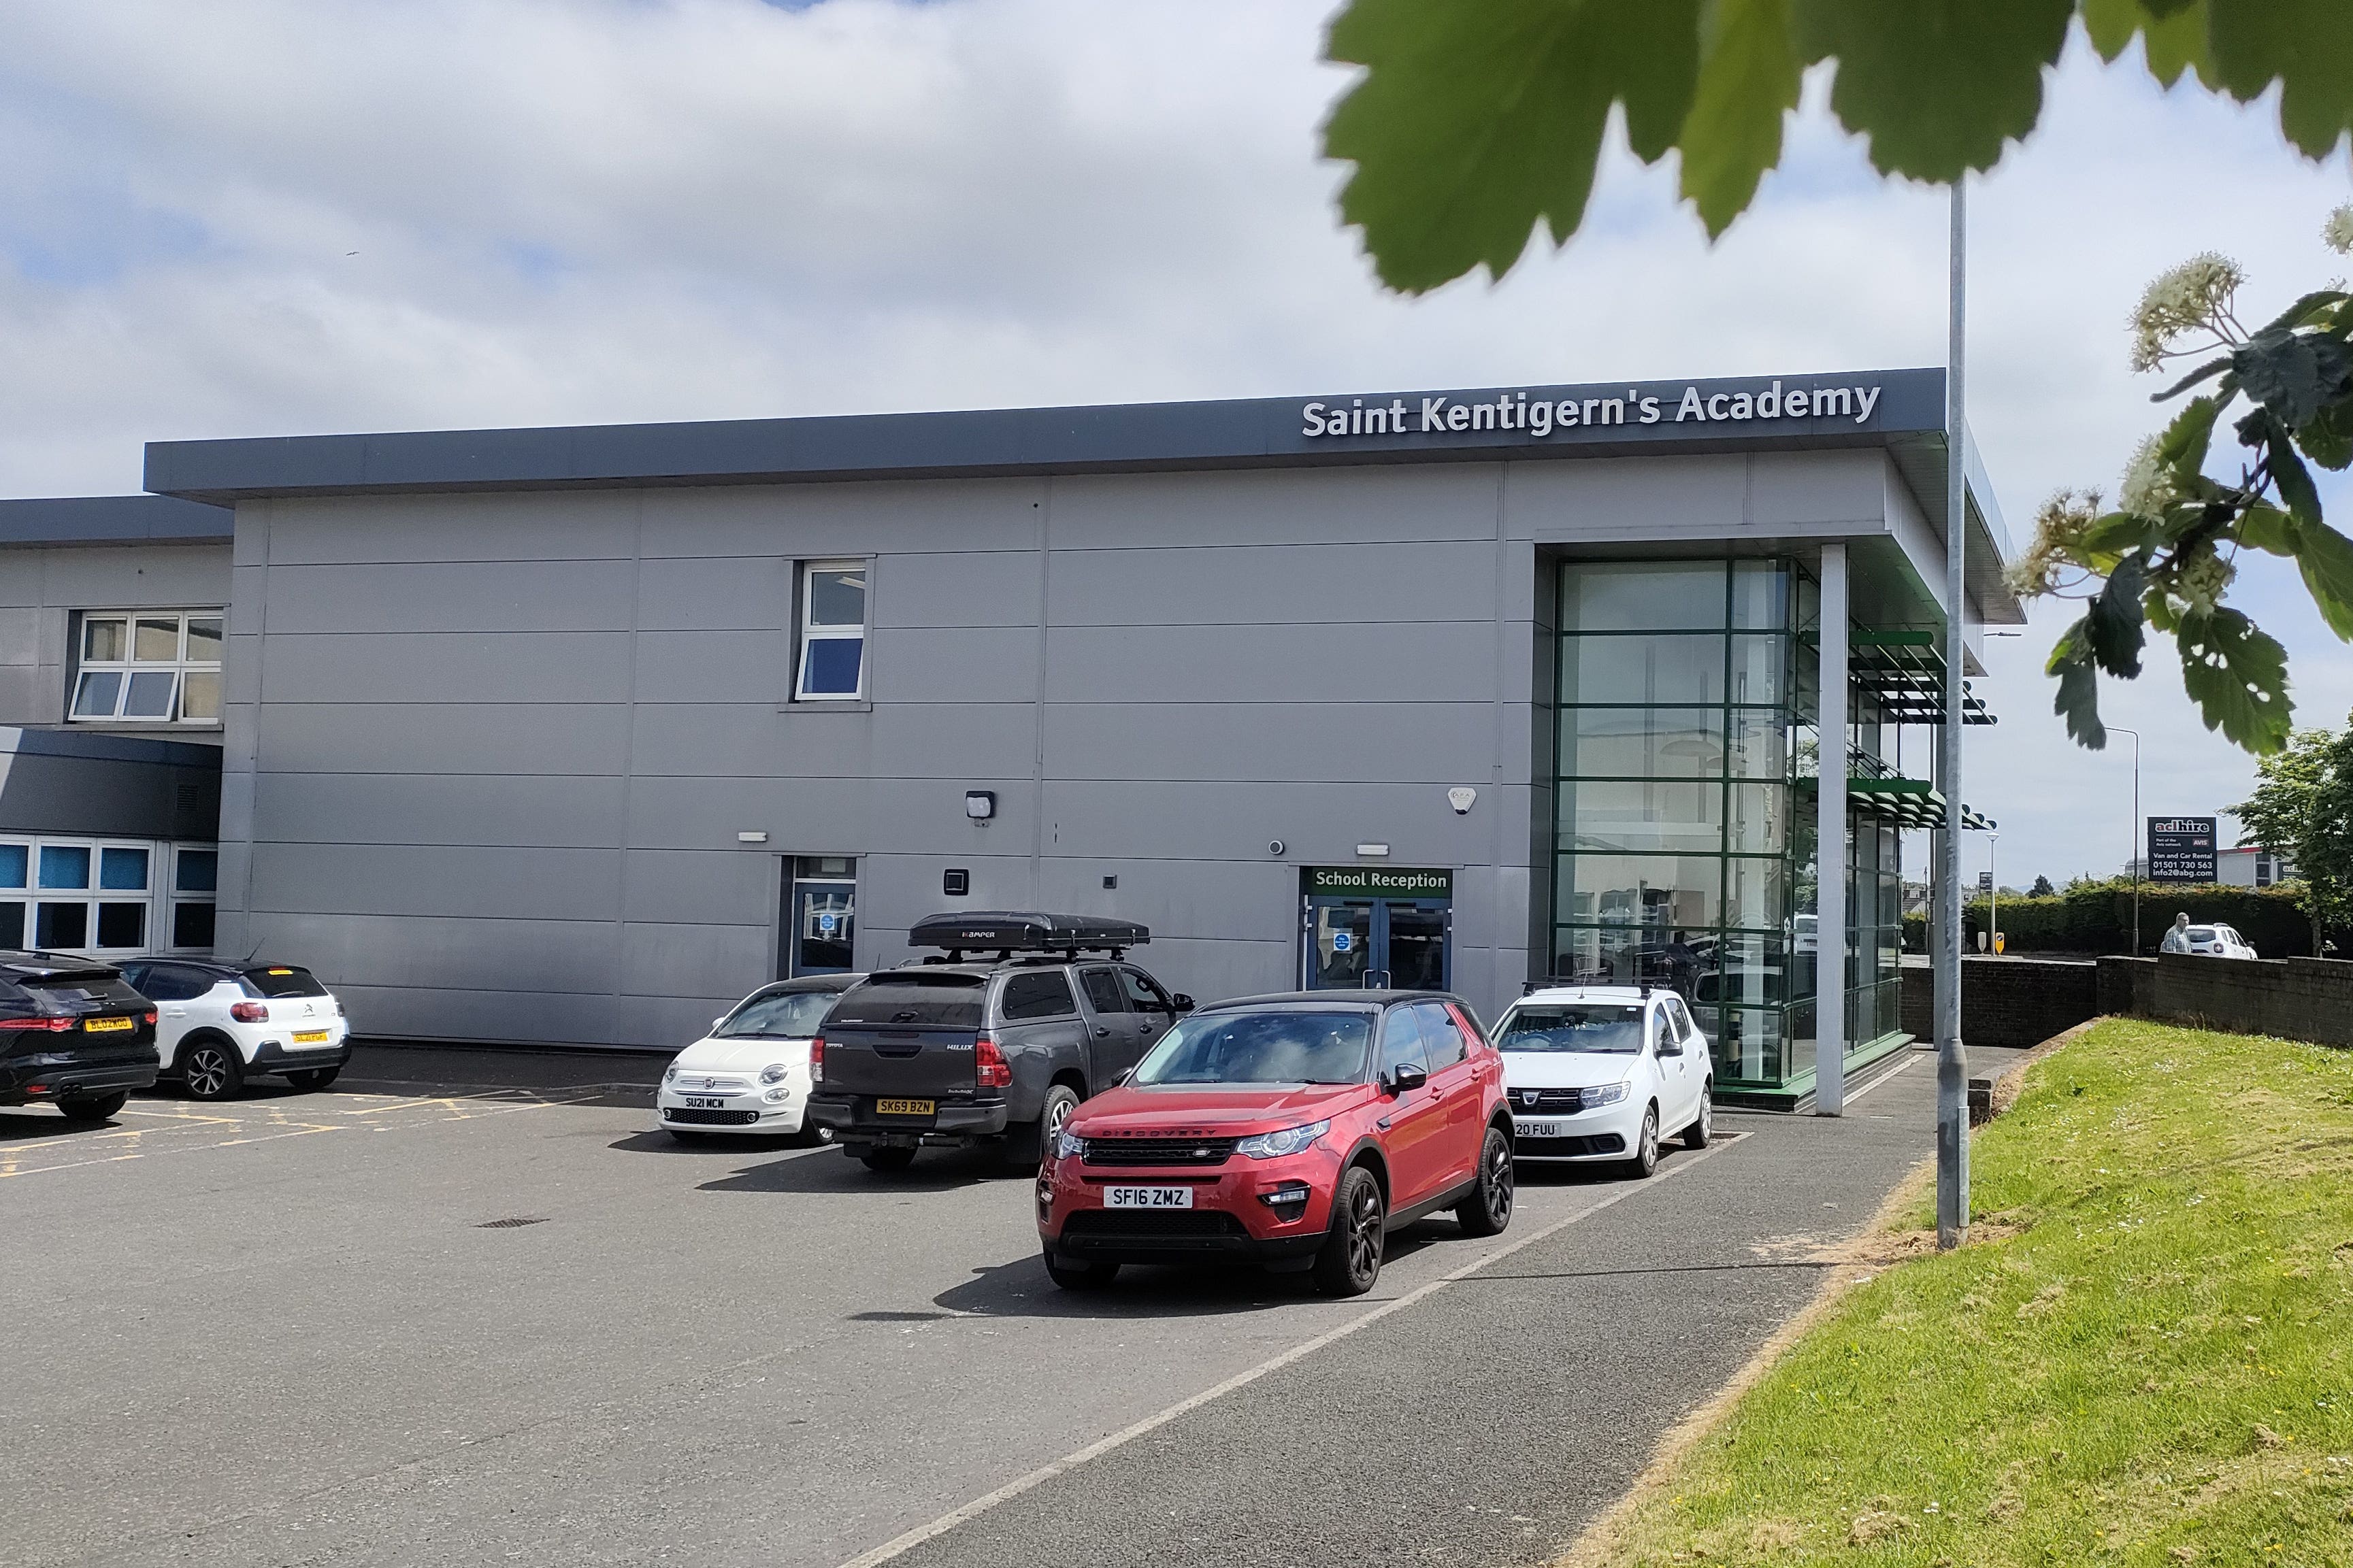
1749,76
2112,630
2326,558
2238,677
2078,698
2286,373
2328,439
2187,439
2305,310
2174,32
2265,527
2119,534
2294,481
2306,46
1935,87
1477,121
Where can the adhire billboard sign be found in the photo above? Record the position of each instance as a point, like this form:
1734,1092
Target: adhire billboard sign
2181,849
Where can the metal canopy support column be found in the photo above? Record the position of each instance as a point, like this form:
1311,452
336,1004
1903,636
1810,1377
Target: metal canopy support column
1952,1065
1830,844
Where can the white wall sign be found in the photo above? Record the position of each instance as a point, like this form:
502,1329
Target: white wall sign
1543,416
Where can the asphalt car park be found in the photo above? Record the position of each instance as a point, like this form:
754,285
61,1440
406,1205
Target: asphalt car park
394,1322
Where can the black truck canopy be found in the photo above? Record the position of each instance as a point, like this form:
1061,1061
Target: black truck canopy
1008,930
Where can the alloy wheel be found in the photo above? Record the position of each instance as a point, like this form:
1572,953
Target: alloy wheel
1707,1116
1495,1183
1651,1139
1057,1118
1365,1234
208,1071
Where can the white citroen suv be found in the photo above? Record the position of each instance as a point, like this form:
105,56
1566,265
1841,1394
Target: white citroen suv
751,1073
220,1024
1604,1072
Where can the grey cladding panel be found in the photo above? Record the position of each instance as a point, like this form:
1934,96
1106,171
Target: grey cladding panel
425,739
454,667
704,886
725,593
1452,500
895,740
584,525
966,588
714,667
424,879
483,1018
1298,741
522,812
446,953
694,960
470,597
1627,498
819,521
1449,580
971,664
137,577
1321,823
1415,662
1808,490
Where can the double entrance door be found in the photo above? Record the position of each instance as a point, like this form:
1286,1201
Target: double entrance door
1356,938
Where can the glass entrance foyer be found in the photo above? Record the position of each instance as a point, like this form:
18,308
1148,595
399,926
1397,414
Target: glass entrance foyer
1686,799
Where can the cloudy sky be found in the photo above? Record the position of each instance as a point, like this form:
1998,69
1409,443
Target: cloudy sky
261,217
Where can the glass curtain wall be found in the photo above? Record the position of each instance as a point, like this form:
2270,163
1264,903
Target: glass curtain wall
1687,767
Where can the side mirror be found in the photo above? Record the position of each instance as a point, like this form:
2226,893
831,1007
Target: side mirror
1126,1077
716,1022
1669,1045
1183,1002
1408,1079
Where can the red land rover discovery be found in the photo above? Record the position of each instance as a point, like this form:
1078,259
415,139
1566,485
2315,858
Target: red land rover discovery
1293,1131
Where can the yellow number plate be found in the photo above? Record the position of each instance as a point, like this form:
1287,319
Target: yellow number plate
904,1107
105,1026
311,1037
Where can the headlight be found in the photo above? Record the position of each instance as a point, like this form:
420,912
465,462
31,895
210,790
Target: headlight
1069,1145
1610,1094
1290,1141
773,1073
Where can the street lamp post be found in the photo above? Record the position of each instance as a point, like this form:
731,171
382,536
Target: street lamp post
1993,893
2138,851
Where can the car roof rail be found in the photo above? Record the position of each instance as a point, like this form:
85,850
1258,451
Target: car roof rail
1008,932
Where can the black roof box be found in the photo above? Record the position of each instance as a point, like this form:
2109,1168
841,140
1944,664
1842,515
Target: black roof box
1010,932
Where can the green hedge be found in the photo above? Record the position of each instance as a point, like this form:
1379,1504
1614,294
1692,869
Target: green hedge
2096,916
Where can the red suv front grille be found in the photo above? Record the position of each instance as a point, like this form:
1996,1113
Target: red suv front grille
1160,1151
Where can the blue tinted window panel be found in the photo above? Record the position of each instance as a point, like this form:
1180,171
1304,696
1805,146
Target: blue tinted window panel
199,870
123,870
12,925
830,667
14,859
63,866
62,926
95,697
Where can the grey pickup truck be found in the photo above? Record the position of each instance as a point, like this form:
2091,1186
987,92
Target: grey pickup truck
955,1053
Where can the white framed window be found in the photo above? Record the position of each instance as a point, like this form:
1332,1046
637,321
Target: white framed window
829,665
151,667
107,896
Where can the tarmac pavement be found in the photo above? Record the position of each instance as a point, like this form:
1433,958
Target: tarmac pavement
517,1324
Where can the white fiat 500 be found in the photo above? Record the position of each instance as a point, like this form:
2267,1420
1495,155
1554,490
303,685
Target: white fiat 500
751,1073
1603,1072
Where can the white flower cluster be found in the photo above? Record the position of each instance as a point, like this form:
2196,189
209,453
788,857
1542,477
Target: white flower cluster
2197,294
2148,487
2201,580
2338,230
2057,527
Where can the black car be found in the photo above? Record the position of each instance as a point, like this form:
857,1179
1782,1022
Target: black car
73,1033
995,1051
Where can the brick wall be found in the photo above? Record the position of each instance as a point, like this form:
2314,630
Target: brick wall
2007,1001
2295,998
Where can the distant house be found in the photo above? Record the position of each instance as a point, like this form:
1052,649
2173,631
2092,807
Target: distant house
2252,865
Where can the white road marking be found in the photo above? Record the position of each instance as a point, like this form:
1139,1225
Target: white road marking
912,1539
1893,1072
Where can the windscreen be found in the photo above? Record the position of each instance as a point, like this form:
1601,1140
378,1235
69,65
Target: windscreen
278,980
1262,1048
913,1001
1604,1028
2200,933
788,1016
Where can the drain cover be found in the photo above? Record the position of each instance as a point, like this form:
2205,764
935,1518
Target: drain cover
513,1222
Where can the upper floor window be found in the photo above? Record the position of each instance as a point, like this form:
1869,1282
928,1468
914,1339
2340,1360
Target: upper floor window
148,666
832,663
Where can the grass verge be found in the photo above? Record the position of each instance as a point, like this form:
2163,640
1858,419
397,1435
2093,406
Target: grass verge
2147,1359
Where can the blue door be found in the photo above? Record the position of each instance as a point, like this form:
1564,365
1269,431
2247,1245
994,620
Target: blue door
1351,943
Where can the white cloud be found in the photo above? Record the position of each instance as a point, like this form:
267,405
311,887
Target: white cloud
590,210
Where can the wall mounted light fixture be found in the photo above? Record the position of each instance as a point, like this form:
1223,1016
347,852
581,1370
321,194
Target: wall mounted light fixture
980,804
